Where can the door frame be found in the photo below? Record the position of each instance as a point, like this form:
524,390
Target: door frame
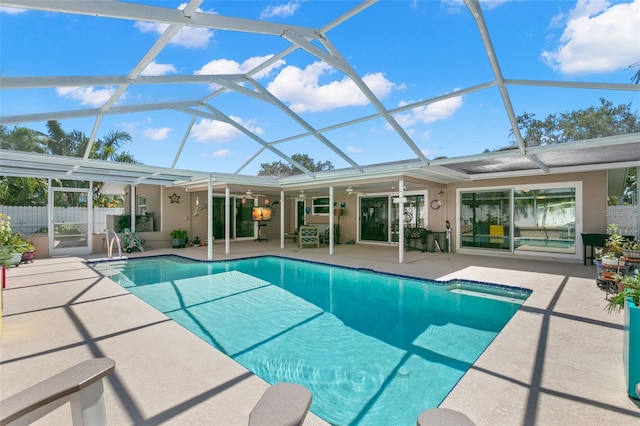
88,223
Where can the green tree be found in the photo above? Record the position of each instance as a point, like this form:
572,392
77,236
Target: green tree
590,123
280,169
33,191
22,191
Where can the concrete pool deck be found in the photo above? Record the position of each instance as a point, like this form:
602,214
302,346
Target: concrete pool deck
557,362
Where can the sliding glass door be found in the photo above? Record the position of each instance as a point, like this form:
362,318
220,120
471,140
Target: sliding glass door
374,219
380,218
538,219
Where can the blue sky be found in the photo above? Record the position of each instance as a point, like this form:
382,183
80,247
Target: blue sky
406,51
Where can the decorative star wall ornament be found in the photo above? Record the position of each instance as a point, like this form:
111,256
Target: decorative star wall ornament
175,198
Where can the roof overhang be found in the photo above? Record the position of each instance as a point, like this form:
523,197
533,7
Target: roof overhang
614,152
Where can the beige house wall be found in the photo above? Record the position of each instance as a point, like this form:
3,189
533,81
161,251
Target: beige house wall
181,215
594,196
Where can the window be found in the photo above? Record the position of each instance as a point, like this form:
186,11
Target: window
142,204
321,206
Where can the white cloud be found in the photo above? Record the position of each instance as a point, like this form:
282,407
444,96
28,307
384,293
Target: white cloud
217,131
221,153
301,88
87,95
430,113
280,11
597,37
429,153
11,10
189,37
354,149
156,134
228,66
155,68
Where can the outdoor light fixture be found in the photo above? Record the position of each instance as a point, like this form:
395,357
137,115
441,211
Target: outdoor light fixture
199,207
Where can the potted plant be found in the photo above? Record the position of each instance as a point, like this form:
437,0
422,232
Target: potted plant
9,242
614,244
631,249
629,288
628,300
178,238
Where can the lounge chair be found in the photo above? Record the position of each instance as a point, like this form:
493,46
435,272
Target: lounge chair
283,404
443,417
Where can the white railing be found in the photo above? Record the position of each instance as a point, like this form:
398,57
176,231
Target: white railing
31,220
110,242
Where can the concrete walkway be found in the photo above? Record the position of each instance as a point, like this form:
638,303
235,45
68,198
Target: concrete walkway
557,362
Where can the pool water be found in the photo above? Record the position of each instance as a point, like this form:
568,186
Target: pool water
538,242
373,348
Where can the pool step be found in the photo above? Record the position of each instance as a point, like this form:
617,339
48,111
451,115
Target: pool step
487,293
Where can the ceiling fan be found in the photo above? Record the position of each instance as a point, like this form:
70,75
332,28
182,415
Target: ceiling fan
350,191
300,197
250,194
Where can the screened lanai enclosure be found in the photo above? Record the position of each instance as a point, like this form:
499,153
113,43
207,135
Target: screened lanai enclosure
211,91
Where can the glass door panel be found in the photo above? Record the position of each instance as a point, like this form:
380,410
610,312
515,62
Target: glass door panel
244,224
300,213
412,217
544,220
218,218
485,219
374,223
70,234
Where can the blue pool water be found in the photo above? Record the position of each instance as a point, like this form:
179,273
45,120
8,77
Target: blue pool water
373,348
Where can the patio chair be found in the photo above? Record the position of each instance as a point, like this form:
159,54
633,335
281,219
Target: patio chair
308,235
283,404
443,416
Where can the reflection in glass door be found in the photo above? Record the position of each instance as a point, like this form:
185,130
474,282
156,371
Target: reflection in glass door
218,218
545,220
70,222
374,224
380,218
244,223
485,219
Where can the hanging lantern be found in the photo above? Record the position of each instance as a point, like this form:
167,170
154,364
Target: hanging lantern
266,201
244,200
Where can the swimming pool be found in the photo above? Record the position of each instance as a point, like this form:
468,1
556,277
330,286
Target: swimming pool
372,348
